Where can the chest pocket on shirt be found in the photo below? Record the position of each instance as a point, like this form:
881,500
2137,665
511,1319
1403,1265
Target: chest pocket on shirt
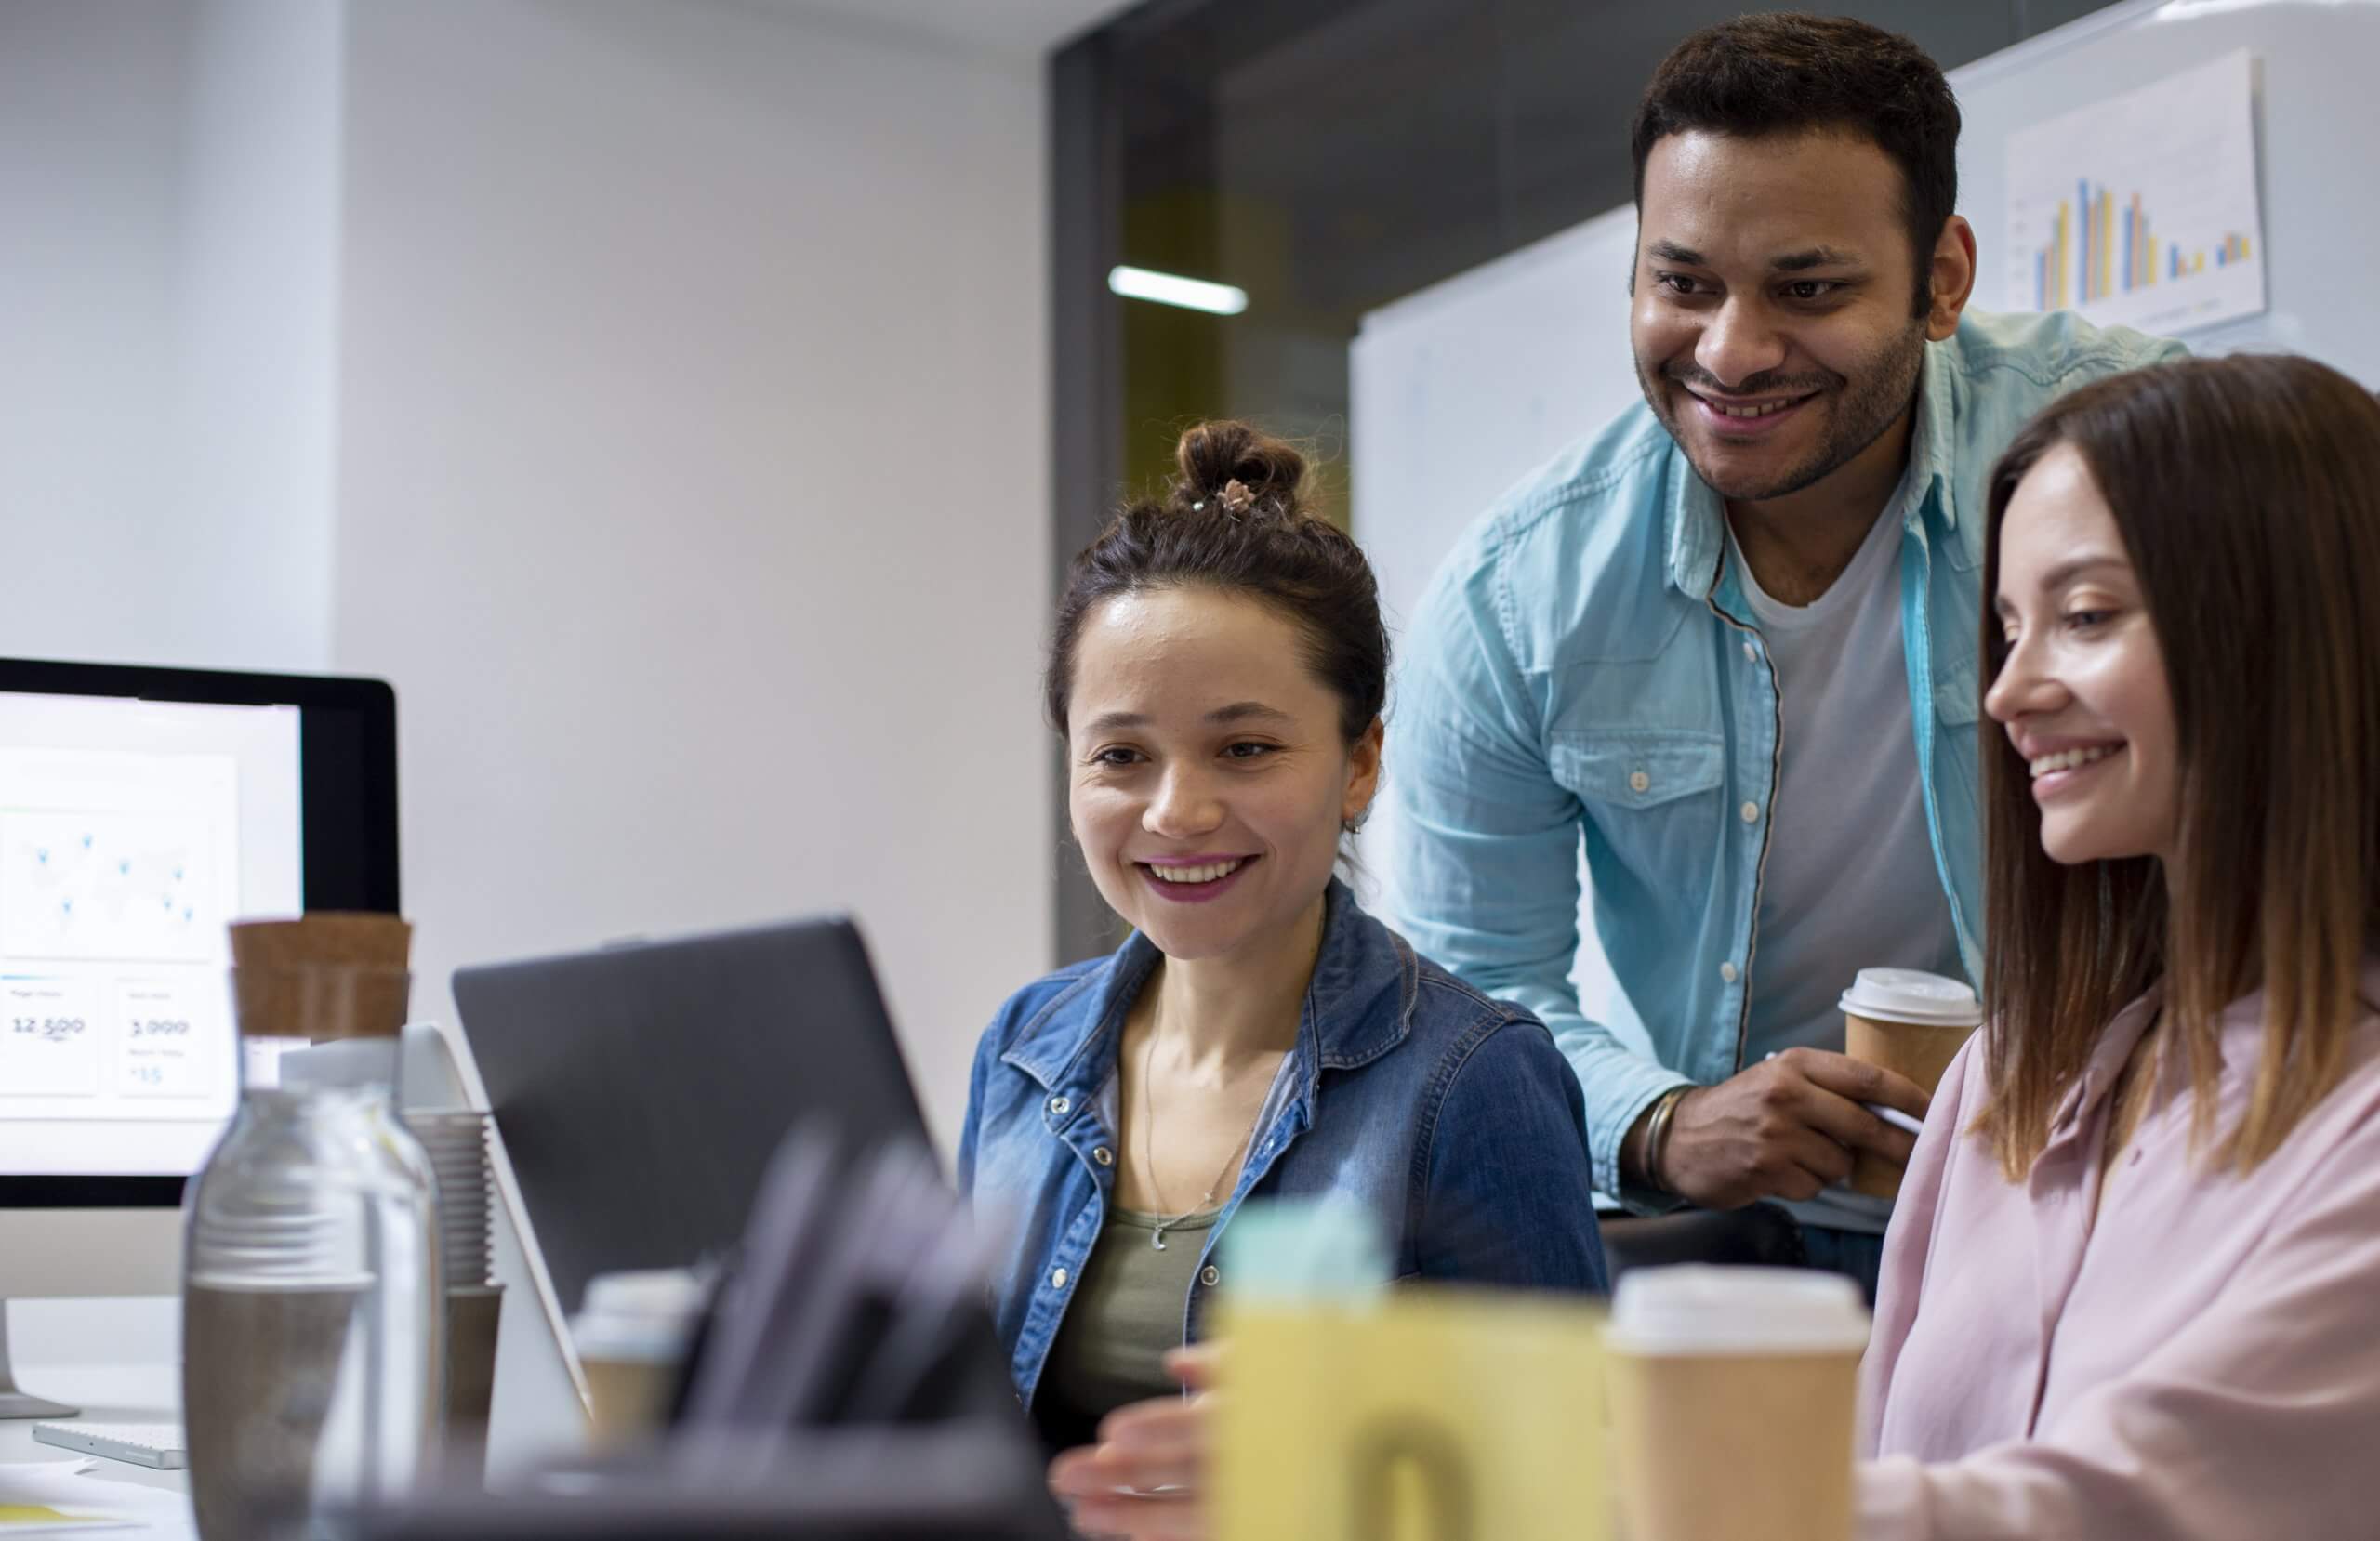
1652,798
1956,698
1955,710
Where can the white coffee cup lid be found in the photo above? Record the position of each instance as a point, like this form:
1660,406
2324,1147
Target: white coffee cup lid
1913,995
645,1314
1699,1308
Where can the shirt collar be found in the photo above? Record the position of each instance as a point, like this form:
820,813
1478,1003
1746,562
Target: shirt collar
1696,516
2100,1072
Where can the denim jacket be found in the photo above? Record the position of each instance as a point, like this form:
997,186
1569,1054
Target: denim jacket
1585,668
1452,1118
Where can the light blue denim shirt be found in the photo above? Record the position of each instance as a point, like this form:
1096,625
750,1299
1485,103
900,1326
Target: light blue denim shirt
1584,667
1449,1116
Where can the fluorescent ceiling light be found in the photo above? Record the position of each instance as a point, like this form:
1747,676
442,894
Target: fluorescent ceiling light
1192,294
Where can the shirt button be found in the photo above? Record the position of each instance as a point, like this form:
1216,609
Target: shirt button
1751,814
1639,781
1728,972
1751,652
1210,1276
1103,1156
1058,1278
1060,1106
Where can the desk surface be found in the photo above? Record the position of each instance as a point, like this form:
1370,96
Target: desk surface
135,1490
116,1360
119,1360
17,1445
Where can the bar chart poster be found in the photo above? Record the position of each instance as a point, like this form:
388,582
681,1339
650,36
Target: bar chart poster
2140,210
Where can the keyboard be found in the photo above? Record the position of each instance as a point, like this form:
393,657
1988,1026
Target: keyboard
151,1444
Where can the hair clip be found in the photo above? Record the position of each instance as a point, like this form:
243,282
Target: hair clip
1236,496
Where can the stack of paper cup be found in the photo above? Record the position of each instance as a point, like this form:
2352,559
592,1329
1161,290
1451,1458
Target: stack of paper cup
457,1140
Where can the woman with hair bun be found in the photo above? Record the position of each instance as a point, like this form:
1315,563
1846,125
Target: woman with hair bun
1216,669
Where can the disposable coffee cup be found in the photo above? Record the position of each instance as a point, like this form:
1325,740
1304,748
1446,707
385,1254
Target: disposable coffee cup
1912,1023
631,1335
1732,1397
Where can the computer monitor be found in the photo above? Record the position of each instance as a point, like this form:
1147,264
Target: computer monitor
141,811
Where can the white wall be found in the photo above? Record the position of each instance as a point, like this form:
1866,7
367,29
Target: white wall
169,174
90,113
246,525
655,394
692,484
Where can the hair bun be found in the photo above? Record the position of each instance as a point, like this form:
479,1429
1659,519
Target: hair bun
1215,455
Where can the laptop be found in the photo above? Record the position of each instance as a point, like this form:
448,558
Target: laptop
641,1089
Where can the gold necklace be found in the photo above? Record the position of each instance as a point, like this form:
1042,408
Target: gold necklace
1148,1146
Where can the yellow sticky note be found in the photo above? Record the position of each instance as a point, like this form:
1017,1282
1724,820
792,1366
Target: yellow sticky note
41,1514
1421,1415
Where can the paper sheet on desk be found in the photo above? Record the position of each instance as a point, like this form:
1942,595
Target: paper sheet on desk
57,1498
41,1520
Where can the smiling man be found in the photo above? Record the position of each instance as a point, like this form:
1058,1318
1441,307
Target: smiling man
1730,641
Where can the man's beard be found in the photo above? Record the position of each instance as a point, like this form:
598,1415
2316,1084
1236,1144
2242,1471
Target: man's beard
1860,408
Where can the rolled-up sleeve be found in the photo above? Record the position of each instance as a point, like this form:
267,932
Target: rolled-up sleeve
1481,841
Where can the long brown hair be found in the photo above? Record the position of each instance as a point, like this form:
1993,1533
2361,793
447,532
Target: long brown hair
2247,493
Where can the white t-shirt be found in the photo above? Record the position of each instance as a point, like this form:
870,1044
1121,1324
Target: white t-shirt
1850,881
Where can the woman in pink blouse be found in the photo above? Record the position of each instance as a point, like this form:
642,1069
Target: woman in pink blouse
2132,1290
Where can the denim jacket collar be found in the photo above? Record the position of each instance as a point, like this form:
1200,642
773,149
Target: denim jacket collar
1072,1052
1697,515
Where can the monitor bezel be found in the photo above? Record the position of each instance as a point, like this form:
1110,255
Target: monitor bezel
336,871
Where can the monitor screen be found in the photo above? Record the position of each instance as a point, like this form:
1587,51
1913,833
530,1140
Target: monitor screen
132,832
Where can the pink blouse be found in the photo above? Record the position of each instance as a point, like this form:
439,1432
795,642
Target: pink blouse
2200,1362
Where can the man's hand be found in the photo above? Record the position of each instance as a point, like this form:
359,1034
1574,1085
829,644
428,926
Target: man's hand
1784,1129
1146,1477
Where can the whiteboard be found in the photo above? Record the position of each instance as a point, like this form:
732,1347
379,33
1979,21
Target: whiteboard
1453,394
1457,391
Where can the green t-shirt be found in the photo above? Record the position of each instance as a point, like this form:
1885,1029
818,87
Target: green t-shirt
1125,1314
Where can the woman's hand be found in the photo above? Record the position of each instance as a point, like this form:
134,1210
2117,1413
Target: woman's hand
1146,1477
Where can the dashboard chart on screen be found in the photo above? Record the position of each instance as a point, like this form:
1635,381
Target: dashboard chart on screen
132,833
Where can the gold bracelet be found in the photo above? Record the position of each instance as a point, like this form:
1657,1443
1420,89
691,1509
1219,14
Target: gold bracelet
1656,1136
